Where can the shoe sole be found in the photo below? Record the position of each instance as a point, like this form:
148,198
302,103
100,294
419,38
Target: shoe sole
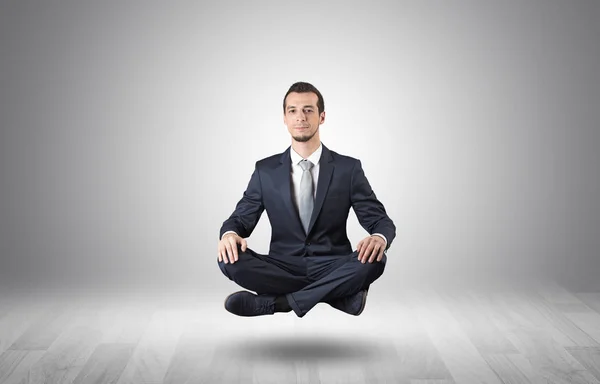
364,303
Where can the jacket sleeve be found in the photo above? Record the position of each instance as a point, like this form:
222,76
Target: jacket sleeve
369,210
248,210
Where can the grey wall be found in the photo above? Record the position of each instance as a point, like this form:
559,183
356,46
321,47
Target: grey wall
130,130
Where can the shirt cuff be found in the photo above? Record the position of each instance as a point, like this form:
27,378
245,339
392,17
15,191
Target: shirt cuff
227,233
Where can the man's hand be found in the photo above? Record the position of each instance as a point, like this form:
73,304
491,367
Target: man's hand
228,247
369,248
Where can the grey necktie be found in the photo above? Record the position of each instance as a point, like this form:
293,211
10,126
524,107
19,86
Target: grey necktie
306,197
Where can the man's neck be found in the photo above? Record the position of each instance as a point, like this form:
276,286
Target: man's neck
307,148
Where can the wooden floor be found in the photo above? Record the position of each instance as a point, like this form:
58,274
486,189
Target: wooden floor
543,334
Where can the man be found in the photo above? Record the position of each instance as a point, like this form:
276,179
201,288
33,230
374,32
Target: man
307,192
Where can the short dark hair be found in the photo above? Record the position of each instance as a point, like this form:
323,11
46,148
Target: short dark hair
302,87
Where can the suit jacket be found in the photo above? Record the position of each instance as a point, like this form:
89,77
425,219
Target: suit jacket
342,184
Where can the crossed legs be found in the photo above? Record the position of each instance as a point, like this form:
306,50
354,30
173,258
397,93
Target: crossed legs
305,281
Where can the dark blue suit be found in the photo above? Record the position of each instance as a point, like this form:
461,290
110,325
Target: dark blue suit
308,267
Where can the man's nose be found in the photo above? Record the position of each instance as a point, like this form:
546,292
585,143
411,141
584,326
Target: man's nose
300,116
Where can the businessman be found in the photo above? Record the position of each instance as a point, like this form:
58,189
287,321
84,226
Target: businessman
307,191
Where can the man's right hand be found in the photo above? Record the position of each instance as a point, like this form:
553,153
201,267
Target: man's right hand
228,251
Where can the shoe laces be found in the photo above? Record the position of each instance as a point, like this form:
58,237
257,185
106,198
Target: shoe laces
265,306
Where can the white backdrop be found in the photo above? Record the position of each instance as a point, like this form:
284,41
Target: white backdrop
130,131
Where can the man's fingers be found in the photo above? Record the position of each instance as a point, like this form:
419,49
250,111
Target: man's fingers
365,250
235,251
374,254
229,256
226,254
233,246
369,257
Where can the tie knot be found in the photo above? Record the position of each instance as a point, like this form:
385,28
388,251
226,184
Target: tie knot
306,164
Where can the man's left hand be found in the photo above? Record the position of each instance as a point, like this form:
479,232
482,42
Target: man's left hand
370,248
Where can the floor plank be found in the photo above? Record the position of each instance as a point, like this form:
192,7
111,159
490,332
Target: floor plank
106,364
509,370
588,322
154,352
68,354
591,299
482,332
461,357
45,330
412,355
562,322
538,341
17,321
15,365
589,358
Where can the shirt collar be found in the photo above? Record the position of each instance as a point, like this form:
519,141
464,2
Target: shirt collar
313,158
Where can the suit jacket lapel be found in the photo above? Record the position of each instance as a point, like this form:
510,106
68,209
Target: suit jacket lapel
283,173
326,166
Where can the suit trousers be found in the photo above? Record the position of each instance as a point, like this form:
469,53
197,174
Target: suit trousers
304,280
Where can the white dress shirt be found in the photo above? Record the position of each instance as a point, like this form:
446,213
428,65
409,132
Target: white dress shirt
297,176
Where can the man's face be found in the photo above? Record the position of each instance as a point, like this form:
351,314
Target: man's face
302,115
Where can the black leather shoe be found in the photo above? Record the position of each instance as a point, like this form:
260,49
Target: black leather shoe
353,304
244,303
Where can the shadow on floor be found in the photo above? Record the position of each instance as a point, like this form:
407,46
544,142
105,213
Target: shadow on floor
294,348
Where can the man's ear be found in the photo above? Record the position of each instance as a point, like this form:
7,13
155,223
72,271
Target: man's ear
322,117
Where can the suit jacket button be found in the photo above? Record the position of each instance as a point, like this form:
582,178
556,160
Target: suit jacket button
307,243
